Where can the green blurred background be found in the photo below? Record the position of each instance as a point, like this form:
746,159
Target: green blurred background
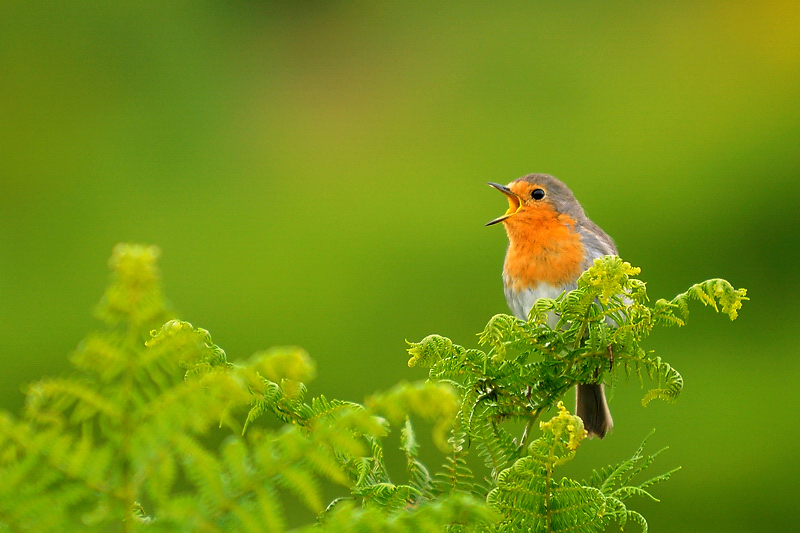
314,173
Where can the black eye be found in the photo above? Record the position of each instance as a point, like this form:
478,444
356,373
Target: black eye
537,194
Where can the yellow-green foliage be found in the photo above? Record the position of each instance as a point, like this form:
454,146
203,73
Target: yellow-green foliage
119,444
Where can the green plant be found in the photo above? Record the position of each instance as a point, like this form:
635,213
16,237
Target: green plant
119,445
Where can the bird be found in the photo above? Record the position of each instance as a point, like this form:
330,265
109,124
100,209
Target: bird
551,242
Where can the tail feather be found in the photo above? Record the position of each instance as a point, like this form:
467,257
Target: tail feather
591,406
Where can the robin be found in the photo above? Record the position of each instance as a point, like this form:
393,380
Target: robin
551,242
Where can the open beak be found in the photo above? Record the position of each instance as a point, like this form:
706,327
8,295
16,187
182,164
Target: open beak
514,202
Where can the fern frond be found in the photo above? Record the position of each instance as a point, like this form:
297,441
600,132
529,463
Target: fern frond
305,486
435,402
711,292
576,305
329,410
455,475
616,483
419,476
262,405
670,382
134,294
529,498
129,426
609,275
430,350
664,312
459,367
283,365
50,396
541,309
495,445
101,355
633,516
497,330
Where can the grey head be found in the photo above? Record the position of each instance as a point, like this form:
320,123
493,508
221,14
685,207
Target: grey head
558,194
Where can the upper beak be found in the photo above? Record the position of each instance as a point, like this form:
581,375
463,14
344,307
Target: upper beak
514,202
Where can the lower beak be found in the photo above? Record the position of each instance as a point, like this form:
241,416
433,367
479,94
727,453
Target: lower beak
514,202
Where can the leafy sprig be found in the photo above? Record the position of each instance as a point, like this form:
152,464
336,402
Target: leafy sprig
120,445
526,367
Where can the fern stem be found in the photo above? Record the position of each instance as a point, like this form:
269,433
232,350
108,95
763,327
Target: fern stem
543,406
526,434
547,489
128,495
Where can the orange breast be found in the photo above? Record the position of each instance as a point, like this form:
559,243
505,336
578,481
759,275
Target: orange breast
543,247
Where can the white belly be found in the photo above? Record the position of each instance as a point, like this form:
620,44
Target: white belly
522,301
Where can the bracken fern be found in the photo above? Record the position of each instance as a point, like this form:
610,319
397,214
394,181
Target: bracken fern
120,445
